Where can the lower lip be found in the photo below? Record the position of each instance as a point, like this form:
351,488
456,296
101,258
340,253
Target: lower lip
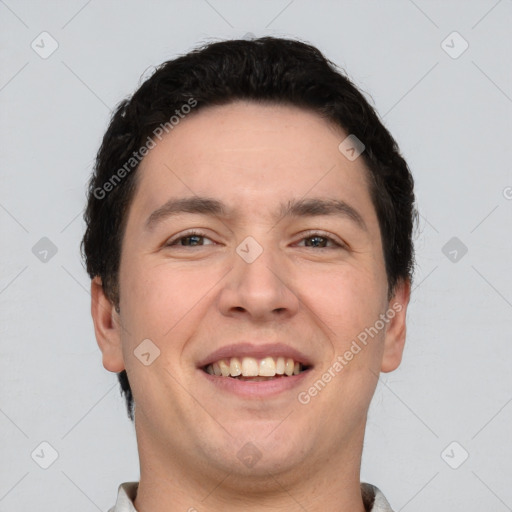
260,389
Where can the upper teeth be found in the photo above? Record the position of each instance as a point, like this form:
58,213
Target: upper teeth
251,367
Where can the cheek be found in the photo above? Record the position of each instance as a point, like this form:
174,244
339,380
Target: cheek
165,301
163,305
348,303
347,299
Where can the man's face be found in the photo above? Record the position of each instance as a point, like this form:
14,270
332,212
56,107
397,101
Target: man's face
255,282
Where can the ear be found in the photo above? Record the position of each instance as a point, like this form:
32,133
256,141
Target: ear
107,327
394,340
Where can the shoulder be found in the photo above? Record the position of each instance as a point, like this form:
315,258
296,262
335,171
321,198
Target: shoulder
126,493
374,500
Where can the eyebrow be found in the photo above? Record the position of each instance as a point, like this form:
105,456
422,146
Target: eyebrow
198,205
315,207
312,207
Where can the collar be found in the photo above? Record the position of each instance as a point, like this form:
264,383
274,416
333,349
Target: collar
374,500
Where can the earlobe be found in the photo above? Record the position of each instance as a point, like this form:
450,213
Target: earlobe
106,328
394,340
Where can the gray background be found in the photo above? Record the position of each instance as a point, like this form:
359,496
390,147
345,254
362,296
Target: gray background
452,119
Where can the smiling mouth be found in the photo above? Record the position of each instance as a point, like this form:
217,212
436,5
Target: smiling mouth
255,370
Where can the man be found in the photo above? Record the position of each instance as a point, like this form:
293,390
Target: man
249,227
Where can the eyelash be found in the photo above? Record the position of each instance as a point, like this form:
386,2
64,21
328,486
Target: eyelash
313,234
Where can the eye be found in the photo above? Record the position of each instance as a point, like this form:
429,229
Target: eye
190,239
319,240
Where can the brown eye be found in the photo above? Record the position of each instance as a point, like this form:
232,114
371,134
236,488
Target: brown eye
192,239
318,241
321,241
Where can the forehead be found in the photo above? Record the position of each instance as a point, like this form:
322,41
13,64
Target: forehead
252,155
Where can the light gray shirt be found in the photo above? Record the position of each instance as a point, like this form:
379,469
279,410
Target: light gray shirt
374,500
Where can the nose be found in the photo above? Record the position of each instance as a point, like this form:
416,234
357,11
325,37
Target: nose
259,289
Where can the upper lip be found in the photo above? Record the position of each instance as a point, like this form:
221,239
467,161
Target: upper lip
258,351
